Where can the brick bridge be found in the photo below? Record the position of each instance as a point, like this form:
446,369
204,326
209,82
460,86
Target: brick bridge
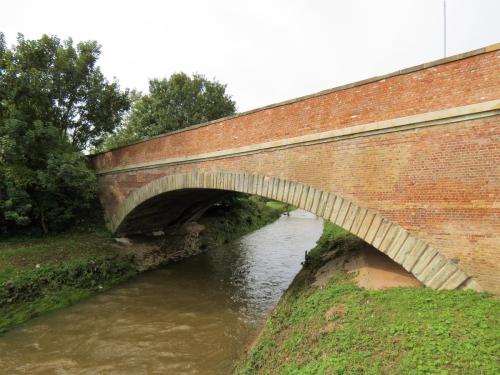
408,161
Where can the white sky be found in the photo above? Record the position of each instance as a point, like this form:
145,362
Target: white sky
265,51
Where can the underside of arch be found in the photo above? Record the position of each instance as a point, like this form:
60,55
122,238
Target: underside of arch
420,258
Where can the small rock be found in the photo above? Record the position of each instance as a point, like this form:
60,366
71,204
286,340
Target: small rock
123,241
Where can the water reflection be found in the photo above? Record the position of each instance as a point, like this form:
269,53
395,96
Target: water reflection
193,317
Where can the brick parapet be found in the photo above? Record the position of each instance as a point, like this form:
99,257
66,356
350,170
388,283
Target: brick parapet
469,78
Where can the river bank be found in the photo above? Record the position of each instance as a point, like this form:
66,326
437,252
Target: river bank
338,327
190,317
38,275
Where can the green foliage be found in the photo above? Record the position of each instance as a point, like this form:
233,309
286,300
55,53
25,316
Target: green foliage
395,331
172,104
283,207
15,204
235,217
333,238
54,104
59,85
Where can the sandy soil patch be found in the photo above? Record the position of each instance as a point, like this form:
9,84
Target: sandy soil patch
374,270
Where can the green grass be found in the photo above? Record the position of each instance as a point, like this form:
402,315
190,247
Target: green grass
39,275
245,215
280,206
21,254
344,329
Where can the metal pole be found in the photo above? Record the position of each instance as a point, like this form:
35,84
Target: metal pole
444,24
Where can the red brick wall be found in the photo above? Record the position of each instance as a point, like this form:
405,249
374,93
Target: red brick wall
472,80
441,183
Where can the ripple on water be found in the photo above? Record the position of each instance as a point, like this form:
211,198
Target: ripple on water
193,317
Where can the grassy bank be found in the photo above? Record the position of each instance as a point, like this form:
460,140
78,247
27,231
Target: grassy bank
344,329
236,218
38,275
44,274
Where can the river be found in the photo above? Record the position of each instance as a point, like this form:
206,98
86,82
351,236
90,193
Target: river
192,317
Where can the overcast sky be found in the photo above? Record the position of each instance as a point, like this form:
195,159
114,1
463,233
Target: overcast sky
265,51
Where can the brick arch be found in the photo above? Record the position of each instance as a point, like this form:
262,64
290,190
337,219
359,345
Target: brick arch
428,265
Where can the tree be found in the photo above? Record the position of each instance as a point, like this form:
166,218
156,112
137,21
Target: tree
53,81
173,103
54,104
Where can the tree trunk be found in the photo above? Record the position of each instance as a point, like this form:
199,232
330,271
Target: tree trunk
43,222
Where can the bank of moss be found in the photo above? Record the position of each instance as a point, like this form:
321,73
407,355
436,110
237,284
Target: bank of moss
344,329
38,275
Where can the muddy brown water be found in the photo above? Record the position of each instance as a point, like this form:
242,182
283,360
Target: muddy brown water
192,317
